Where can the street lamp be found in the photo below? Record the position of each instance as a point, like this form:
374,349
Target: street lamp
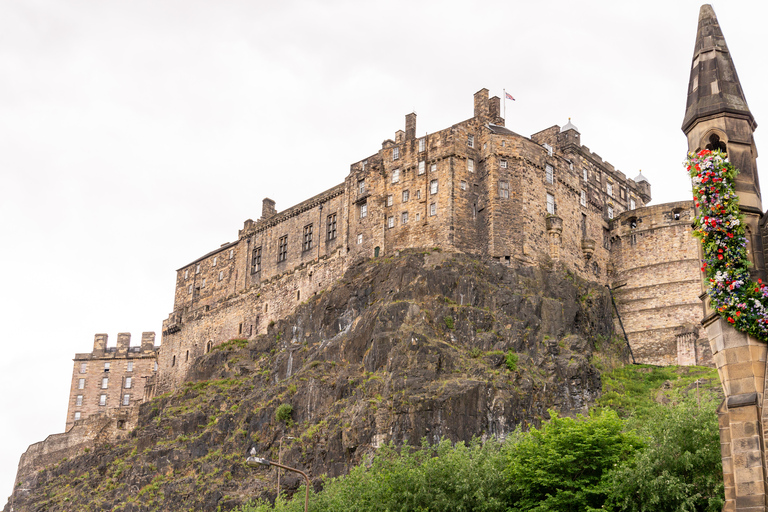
254,461
280,459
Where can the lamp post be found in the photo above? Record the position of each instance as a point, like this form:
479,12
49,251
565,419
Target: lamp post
280,459
255,461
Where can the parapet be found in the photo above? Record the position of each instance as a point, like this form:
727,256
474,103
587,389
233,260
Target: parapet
123,348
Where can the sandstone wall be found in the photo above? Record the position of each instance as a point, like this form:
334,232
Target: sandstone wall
657,280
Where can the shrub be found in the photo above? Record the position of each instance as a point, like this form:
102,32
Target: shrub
512,359
283,413
448,322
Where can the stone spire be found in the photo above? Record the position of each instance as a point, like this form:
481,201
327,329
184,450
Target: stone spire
713,87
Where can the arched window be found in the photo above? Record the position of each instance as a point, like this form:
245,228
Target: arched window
208,346
716,143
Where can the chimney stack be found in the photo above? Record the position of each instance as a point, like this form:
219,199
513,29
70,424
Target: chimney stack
268,208
410,126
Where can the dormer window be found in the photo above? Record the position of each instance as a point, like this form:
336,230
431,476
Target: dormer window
548,148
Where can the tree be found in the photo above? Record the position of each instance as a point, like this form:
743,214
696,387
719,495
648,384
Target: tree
564,466
681,469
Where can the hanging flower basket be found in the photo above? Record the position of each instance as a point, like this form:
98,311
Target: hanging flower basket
720,227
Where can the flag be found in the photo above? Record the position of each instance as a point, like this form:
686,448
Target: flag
508,96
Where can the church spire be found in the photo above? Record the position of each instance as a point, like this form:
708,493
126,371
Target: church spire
713,87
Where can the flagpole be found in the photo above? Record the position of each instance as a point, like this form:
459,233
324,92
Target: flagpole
505,104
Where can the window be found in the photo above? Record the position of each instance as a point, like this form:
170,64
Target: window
189,289
550,204
307,237
128,382
422,145
463,185
470,165
609,189
126,399
389,200
503,143
203,285
79,400
105,383
221,275
404,218
106,367
406,194
622,193
396,176
282,248
102,399
504,189
432,210
418,194
363,210
173,361
503,164
363,164
81,384
359,239
418,217
256,260
83,367
129,366
197,269
550,172
77,415
471,141
215,260
395,153
583,199
676,214
154,369
332,226
631,204
391,221
610,212
585,174
361,186
433,187
186,274
422,167
231,253
548,148
433,168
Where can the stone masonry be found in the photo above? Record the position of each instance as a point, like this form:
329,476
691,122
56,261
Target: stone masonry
111,379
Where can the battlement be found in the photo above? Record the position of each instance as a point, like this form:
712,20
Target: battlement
123,348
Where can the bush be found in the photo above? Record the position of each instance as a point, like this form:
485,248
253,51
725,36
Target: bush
681,469
284,412
512,359
448,322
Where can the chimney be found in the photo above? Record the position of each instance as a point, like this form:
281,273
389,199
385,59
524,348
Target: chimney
410,126
147,341
123,342
495,111
99,344
268,208
481,104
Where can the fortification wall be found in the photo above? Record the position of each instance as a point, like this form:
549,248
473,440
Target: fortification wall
656,281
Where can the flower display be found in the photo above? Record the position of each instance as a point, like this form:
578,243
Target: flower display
720,227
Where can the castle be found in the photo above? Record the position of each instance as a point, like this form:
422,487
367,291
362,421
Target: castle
475,187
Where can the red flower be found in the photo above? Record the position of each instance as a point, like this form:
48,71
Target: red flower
719,256
731,320
730,235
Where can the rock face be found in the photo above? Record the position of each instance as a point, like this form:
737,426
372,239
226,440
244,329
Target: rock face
420,346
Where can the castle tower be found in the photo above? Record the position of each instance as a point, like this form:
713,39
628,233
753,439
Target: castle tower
717,117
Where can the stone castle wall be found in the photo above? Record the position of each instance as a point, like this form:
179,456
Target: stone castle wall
656,279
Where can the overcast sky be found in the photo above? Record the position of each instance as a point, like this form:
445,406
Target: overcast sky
135,136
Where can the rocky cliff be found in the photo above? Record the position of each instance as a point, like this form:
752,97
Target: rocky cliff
423,345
